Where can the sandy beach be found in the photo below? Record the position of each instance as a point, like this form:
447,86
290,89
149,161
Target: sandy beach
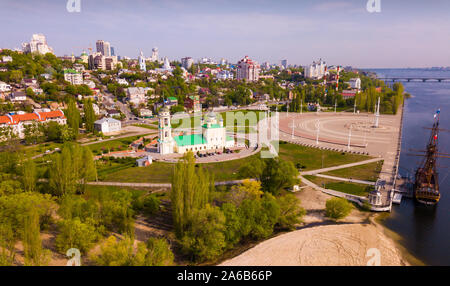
320,242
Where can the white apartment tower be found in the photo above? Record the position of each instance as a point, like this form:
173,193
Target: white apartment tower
187,62
247,69
316,70
38,44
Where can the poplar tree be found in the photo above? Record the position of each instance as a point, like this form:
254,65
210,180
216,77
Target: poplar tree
89,115
190,191
73,117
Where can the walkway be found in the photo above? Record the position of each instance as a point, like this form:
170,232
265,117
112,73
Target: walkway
324,170
156,185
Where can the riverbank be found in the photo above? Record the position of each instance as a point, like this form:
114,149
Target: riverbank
322,242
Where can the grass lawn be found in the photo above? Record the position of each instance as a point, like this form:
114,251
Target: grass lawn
160,172
311,158
345,187
250,120
41,148
367,172
113,145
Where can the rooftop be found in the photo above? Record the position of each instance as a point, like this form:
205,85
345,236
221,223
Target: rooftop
193,139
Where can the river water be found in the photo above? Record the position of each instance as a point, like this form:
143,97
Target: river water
425,231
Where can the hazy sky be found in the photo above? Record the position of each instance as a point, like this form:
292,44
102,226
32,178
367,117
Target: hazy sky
410,33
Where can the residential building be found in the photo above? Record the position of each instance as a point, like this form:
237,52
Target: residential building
4,86
104,48
171,100
137,95
355,83
73,76
146,113
19,121
38,44
18,96
144,162
193,103
111,63
247,70
347,94
121,81
108,125
187,62
316,70
224,75
6,59
284,64
97,61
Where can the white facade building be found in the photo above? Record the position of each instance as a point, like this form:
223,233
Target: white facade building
73,76
4,86
213,136
38,44
355,83
316,70
247,70
18,122
187,62
224,75
137,95
108,125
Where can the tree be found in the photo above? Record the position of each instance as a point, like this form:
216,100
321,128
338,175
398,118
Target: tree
278,174
190,191
204,238
73,117
158,253
75,234
89,115
117,253
7,245
73,167
258,217
232,224
33,252
29,176
290,211
247,190
338,208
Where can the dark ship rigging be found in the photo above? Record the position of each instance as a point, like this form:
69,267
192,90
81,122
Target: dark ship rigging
426,186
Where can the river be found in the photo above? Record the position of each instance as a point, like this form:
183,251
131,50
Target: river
425,231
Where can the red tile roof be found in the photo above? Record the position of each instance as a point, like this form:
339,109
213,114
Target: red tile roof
44,116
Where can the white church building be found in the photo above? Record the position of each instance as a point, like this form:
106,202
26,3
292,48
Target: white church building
213,136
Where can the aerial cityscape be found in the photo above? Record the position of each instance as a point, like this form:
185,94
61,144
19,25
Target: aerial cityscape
231,144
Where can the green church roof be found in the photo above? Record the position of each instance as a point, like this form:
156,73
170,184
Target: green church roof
212,126
193,139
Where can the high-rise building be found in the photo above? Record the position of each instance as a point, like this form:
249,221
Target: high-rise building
316,70
154,57
142,64
113,52
284,64
247,69
104,48
187,62
38,44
